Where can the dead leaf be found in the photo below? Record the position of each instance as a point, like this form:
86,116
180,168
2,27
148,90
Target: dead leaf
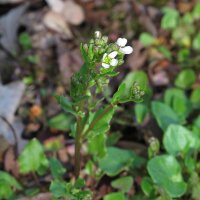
69,62
56,6
10,96
56,22
9,25
158,72
41,196
137,59
10,162
3,146
73,13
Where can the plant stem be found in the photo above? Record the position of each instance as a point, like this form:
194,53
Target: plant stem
78,147
95,121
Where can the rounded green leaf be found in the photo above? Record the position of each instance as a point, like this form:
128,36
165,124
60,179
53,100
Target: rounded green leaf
196,42
164,114
147,39
170,18
32,158
166,173
147,186
178,139
195,97
115,196
185,79
178,101
116,160
124,184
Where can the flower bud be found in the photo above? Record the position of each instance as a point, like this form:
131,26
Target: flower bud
97,34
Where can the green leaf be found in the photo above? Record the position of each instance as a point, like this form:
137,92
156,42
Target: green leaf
195,97
196,42
32,158
170,18
8,185
185,79
164,114
80,183
65,104
166,173
57,170
123,184
97,145
147,186
116,160
178,139
141,111
58,188
25,41
10,180
147,39
101,121
61,122
179,102
115,196
196,11
126,90
166,52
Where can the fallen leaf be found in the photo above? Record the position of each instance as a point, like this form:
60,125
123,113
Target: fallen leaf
10,96
69,62
56,22
4,145
73,13
137,59
9,25
56,6
10,162
41,196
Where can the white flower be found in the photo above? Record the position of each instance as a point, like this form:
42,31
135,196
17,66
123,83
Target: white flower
121,42
109,60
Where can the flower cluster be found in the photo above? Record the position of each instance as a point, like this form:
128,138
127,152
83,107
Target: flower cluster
110,59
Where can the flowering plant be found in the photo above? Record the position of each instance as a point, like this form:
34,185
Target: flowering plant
87,94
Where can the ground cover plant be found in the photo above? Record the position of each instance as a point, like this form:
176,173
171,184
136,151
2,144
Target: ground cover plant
88,114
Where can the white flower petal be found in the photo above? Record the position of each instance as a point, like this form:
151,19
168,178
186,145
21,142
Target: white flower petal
114,62
121,42
104,55
126,50
104,65
113,54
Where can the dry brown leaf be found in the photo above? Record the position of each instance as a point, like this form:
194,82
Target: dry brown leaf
137,59
73,13
10,163
4,145
56,22
41,196
69,62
